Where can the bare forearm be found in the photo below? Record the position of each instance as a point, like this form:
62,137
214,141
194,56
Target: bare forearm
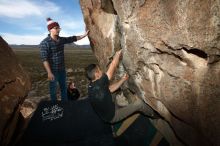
82,36
47,66
49,73
112,68
115,86
113,65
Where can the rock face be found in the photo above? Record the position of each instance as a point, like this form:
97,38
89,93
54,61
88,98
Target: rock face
14,86
171,50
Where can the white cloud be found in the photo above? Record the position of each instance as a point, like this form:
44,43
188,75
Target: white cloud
71,24
23,8
33,39
23,39
84,41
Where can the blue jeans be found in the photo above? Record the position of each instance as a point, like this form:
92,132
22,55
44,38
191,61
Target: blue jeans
59,77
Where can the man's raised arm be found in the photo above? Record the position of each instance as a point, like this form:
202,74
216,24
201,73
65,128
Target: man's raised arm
113,65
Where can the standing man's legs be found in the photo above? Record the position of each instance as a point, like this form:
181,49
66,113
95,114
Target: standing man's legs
62,83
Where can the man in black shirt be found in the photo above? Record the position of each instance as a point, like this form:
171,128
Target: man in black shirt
100,97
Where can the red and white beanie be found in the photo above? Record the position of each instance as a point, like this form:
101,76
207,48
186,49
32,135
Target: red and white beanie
51,24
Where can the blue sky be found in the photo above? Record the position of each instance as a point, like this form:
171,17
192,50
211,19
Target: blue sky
24,21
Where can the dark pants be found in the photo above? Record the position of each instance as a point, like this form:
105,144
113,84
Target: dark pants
137,106
60,77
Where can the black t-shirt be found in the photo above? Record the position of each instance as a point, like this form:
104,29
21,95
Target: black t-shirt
101,99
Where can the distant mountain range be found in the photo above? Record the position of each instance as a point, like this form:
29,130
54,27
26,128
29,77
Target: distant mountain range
72,45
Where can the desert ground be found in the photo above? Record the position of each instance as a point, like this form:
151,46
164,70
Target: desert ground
76,59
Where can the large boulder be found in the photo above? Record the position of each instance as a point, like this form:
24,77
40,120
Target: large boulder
14,86
171,50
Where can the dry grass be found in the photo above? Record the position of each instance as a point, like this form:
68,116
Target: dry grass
76,59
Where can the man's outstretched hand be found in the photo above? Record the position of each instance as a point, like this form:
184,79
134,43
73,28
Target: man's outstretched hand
87,32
